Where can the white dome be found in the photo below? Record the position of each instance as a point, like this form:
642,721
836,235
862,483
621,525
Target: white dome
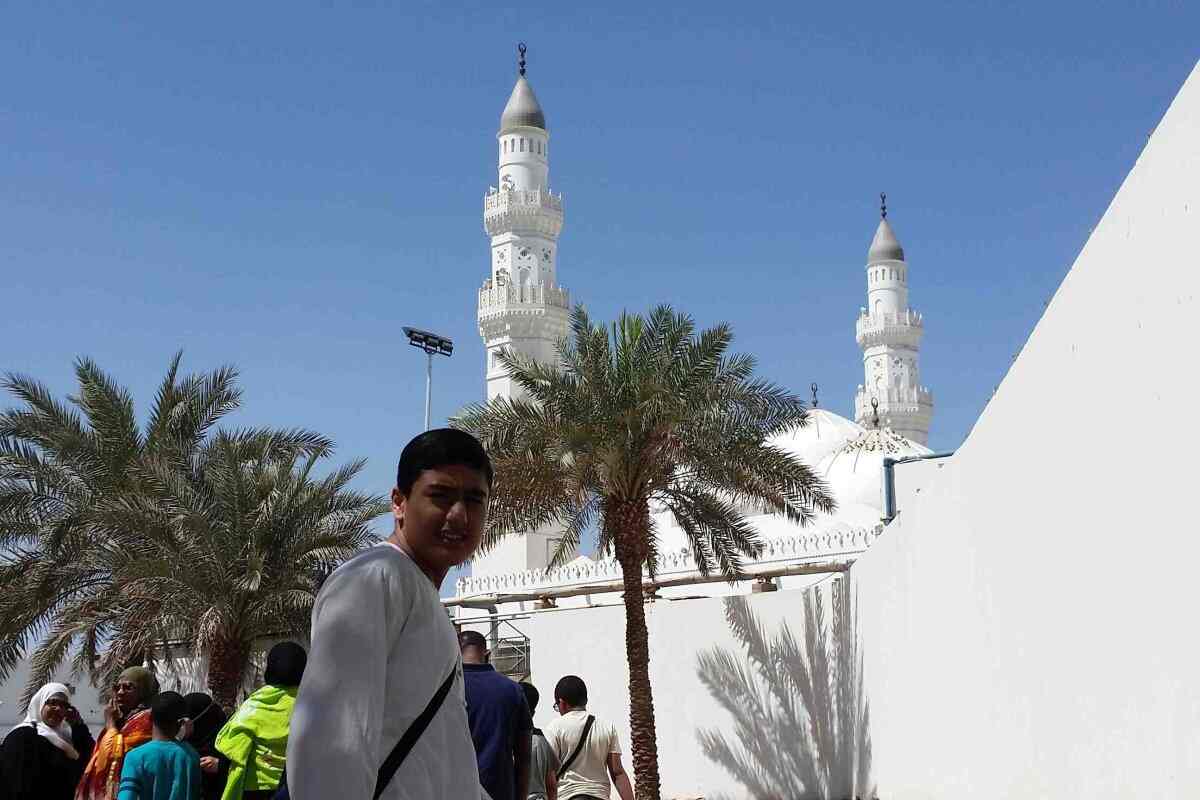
523,109
824,434
854,472
885,246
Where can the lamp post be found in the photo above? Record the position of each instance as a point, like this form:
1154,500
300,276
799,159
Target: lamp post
432,344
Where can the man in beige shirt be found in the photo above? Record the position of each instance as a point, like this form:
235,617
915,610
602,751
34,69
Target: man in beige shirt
587,748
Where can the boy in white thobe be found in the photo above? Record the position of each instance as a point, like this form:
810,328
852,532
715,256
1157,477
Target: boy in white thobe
383,646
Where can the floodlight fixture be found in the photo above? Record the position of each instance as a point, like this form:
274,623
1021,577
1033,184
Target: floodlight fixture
433,345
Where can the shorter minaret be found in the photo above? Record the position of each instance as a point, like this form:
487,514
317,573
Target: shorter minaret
889,334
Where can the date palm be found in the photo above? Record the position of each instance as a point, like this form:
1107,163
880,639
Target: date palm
646,415
119,540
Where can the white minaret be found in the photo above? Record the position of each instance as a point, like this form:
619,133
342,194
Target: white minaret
521,306
889,333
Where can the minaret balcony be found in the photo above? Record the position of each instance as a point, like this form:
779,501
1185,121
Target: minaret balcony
908,410
496,300
532,210
889,328
896,398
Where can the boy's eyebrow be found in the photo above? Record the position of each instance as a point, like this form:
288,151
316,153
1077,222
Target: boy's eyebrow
450,487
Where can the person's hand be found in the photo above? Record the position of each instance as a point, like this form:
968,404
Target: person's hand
111,714
209,764
73,717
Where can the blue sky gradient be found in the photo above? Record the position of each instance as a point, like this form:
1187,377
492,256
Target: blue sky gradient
284,186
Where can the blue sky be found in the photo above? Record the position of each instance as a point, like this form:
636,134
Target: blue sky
284,186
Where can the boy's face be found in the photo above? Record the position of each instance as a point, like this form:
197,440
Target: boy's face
440,523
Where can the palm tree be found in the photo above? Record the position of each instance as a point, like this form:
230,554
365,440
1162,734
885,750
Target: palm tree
119,543
647,416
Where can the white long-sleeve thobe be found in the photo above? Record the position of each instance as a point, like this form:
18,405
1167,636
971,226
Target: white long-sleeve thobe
381,646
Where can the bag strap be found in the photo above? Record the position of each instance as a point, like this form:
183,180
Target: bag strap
587,729
395,758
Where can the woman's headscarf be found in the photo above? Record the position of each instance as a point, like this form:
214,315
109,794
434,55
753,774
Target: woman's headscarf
285,664
207,718
59,736
144,680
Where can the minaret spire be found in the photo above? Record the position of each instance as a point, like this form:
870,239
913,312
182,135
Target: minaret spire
521,58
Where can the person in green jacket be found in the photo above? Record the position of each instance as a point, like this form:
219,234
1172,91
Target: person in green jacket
255,738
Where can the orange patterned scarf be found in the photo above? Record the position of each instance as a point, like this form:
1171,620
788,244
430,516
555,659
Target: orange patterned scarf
102,777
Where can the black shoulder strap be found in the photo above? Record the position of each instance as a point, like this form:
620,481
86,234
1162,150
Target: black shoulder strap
412,735
587,729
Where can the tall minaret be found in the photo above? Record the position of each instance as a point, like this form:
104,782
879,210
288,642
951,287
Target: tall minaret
889,333
521,306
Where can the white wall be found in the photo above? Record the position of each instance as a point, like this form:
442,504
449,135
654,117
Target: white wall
86,698
591,643
1028,620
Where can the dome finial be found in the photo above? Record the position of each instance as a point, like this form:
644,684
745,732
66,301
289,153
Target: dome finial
521,58
875,412
882,200
814,393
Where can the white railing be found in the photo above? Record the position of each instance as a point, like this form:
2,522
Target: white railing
884,319
913,394
514,199
804,546
494,298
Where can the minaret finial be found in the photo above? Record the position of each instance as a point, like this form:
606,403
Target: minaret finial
875,411
521,58
814,392
882,195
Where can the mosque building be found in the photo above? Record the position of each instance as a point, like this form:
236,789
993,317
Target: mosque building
523,307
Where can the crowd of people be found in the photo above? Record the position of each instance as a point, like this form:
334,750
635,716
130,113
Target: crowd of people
391,702
155,745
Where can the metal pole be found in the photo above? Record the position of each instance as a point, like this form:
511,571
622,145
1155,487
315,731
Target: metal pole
428,386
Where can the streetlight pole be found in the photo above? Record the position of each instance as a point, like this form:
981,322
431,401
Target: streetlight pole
428,386
433,344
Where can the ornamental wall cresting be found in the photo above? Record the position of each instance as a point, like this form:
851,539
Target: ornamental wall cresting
802,547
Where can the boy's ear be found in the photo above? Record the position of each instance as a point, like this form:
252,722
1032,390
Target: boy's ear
398,503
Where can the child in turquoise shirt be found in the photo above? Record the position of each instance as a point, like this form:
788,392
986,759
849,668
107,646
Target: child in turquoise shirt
162,769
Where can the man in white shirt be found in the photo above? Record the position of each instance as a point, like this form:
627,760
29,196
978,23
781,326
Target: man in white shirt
588,750
384,664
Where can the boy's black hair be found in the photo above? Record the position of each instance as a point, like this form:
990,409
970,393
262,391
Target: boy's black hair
571,689
532,695
437,448
166,712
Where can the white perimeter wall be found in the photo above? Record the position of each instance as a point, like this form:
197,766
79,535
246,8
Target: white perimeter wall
1029,621
590,643
86,698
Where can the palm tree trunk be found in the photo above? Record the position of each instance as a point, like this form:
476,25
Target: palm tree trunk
632,548
226,665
